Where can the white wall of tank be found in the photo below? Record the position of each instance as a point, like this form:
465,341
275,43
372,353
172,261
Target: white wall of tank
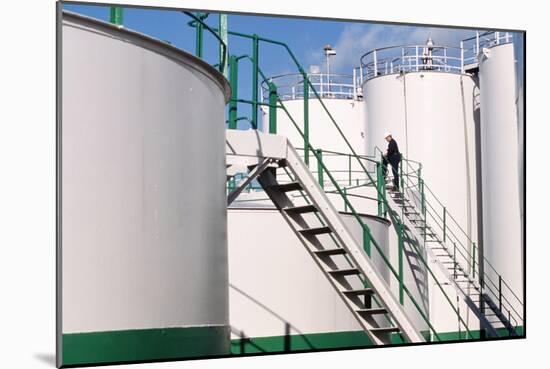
141,216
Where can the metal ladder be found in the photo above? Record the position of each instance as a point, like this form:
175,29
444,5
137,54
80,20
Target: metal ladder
372,304
458,277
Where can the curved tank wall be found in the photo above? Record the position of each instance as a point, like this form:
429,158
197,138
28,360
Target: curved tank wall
144,222
348,113
500,159
277,290
431,116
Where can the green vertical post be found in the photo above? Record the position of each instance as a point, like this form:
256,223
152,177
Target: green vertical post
422,199
419,175
349,169
320,176
272,108
306,119
117,15
444,224
233,82
223,52
366,240
255,61
379,184
400,261
198,36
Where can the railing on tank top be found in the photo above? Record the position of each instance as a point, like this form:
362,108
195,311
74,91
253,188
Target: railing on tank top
472,46
331,86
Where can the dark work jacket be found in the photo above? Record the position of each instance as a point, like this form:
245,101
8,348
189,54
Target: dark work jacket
393,151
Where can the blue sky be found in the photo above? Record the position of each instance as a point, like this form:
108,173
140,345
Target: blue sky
305,37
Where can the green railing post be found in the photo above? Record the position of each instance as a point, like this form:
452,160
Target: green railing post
272,108
306,119
320,168
255,61
117,15
400,261
366,240
419,174
444,224
379,185
233,82
199,35
223,52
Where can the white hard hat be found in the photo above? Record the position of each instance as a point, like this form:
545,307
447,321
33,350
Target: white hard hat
387,134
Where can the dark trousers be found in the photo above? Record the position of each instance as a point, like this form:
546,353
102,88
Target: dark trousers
394,168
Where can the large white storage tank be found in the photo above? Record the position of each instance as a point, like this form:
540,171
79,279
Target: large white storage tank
279,299
428,104
501,174
143,241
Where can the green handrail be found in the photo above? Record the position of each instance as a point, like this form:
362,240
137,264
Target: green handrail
308,147
198,22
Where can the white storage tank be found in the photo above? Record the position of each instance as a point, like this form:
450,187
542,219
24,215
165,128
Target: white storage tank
342,97
501,158
279,298
143,230
426,101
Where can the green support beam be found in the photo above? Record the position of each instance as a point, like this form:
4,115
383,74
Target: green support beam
306,119
272,108
320,168
233,82
255,61
223,52
117,15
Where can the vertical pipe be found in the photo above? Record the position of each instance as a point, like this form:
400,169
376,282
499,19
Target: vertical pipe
454,259
117,15
255,61
400,246
306,119
233,82
416,58
198,39
223,52
272,108
320,168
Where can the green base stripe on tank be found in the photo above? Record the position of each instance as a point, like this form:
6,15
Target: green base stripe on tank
327,341
145,345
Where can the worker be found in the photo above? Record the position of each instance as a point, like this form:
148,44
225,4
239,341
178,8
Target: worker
392,156
427,54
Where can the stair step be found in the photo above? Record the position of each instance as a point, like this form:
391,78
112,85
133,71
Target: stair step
372,311
301,209
287,187
315,231
385,330
343,272
364,291
329,252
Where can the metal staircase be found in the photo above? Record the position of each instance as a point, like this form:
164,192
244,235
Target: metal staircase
320,229
418,229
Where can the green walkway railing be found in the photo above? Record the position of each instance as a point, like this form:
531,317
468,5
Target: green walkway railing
370,243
